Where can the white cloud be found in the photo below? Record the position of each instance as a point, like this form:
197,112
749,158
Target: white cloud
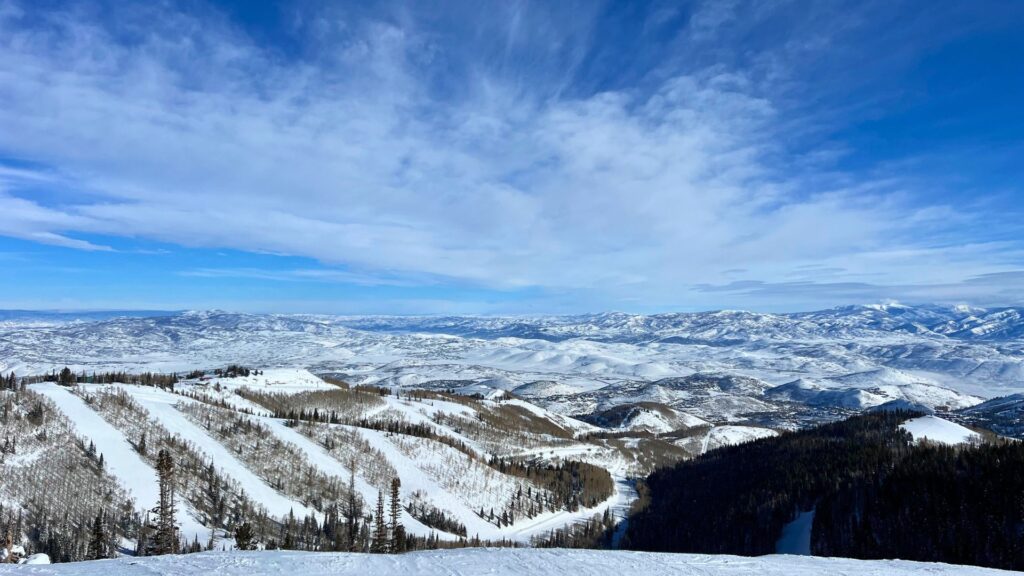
194,135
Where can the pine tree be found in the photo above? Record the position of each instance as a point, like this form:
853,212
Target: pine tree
380,532
244,537
288,542
397,530
144,544
166,532
353,511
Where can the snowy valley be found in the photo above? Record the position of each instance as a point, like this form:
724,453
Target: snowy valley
771,370
511,432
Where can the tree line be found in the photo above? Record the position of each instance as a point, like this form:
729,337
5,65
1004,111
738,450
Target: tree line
875,494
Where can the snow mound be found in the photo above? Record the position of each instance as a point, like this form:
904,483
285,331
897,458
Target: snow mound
881,376
650,416
37,559
503,562
936,429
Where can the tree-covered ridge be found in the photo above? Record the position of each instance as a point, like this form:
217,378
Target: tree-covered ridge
875,493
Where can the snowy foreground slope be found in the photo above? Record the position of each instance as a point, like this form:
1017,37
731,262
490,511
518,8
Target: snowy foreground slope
494,562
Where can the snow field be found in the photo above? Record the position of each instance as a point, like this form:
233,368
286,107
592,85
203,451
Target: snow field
494,562
442,476
161,405
935,429
121,459
329,465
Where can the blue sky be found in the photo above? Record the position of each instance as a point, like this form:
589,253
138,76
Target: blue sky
510,157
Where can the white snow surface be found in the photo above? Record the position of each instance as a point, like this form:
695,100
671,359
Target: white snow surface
329,465
731,435
160,405
934,355
493,562
120,458
938,430
445,477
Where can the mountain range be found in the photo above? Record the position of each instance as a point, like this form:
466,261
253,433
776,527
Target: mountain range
723,366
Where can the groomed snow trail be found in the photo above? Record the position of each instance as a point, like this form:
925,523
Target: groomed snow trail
493,562
160,405
119,457
330,465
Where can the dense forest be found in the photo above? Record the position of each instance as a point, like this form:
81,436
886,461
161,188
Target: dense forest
875,494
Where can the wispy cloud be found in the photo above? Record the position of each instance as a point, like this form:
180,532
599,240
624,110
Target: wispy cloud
401,154
304,275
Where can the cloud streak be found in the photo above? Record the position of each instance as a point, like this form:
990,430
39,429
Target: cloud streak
374,155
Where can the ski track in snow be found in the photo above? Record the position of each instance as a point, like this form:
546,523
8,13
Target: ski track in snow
330,465
415,479
120,458
521,531
160,405
494,562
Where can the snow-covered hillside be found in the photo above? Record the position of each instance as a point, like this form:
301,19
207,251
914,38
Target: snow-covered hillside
845,359
934,429
277,444
495,562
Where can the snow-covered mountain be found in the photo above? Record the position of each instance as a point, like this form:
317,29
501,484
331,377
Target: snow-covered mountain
804,365
1004,415
281,447
725,326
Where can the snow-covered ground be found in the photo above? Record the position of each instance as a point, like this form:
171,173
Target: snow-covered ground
936,429
121,459
720,436
493,562
280,380
161,405
742,375
430,471
939,356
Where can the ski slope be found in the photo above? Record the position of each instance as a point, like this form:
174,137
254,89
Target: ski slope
432,472
938,430
329,465
493,562
160,405
120,458
727,435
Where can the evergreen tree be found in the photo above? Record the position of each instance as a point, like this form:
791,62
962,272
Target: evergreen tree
67,377
397,530
167,531
380,532
98,540
244,537
353,510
